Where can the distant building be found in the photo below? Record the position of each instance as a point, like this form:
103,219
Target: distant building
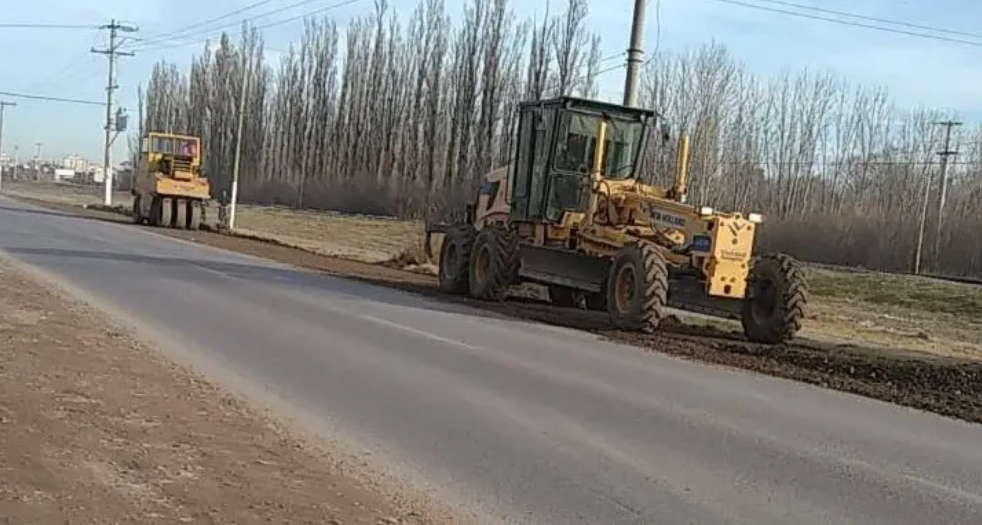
75,162
64,174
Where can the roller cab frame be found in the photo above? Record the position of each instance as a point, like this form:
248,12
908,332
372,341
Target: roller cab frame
571,212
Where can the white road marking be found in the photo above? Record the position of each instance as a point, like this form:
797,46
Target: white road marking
957,493
420,333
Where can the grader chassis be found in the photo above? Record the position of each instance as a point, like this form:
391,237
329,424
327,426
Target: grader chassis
571,213
169,190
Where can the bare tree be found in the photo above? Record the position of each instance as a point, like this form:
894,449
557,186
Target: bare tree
403,118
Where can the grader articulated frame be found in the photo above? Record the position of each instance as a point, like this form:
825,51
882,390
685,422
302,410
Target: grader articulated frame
570,212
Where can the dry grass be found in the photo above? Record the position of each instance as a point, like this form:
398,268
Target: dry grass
894,311
81,195
367,239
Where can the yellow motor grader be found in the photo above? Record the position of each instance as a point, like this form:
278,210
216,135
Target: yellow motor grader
570,212
169,189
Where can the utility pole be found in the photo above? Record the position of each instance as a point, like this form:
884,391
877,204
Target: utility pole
238,144
3,105
632,83
942,198
112,52
37,161
920,230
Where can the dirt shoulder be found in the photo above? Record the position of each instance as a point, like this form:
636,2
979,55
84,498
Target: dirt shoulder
95,428
947,385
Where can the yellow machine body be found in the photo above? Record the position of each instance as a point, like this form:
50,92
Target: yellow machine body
170,165
169,189
571,212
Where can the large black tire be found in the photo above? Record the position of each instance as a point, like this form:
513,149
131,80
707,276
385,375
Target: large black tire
154,218
564,296
195,211
494,263
455,259
137,214
180,211
165,216
637,288
774,305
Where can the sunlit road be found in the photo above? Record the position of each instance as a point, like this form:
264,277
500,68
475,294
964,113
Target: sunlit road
520,422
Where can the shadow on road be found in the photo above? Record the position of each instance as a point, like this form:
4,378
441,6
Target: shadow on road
190,270
55,213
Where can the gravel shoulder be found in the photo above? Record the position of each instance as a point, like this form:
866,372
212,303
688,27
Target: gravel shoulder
95,427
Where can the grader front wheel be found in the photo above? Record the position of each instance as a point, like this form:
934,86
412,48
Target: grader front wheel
775,302
494,263
455,257
637,288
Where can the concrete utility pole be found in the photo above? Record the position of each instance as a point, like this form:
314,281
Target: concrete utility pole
945,153
923,222
943,197
632,83
3,105
37,161
112,52
238,146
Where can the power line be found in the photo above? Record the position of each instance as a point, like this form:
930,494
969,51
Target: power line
161,37
51,99
144,46
874,19
851,23
45,26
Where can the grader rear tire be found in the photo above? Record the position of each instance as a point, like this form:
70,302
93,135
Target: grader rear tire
455,251
637,289
494,263
777,294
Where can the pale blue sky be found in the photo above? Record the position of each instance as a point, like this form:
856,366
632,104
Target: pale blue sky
918,71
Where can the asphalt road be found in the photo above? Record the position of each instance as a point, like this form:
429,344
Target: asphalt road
524,423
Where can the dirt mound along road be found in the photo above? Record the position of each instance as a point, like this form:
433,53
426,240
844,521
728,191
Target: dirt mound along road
95,428
948,386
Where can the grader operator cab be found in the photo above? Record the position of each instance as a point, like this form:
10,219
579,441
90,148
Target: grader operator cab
570,212
169,189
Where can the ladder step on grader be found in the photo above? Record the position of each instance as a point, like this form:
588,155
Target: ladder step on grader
571,212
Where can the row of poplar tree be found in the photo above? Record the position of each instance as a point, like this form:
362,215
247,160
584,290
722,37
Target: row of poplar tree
395,116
